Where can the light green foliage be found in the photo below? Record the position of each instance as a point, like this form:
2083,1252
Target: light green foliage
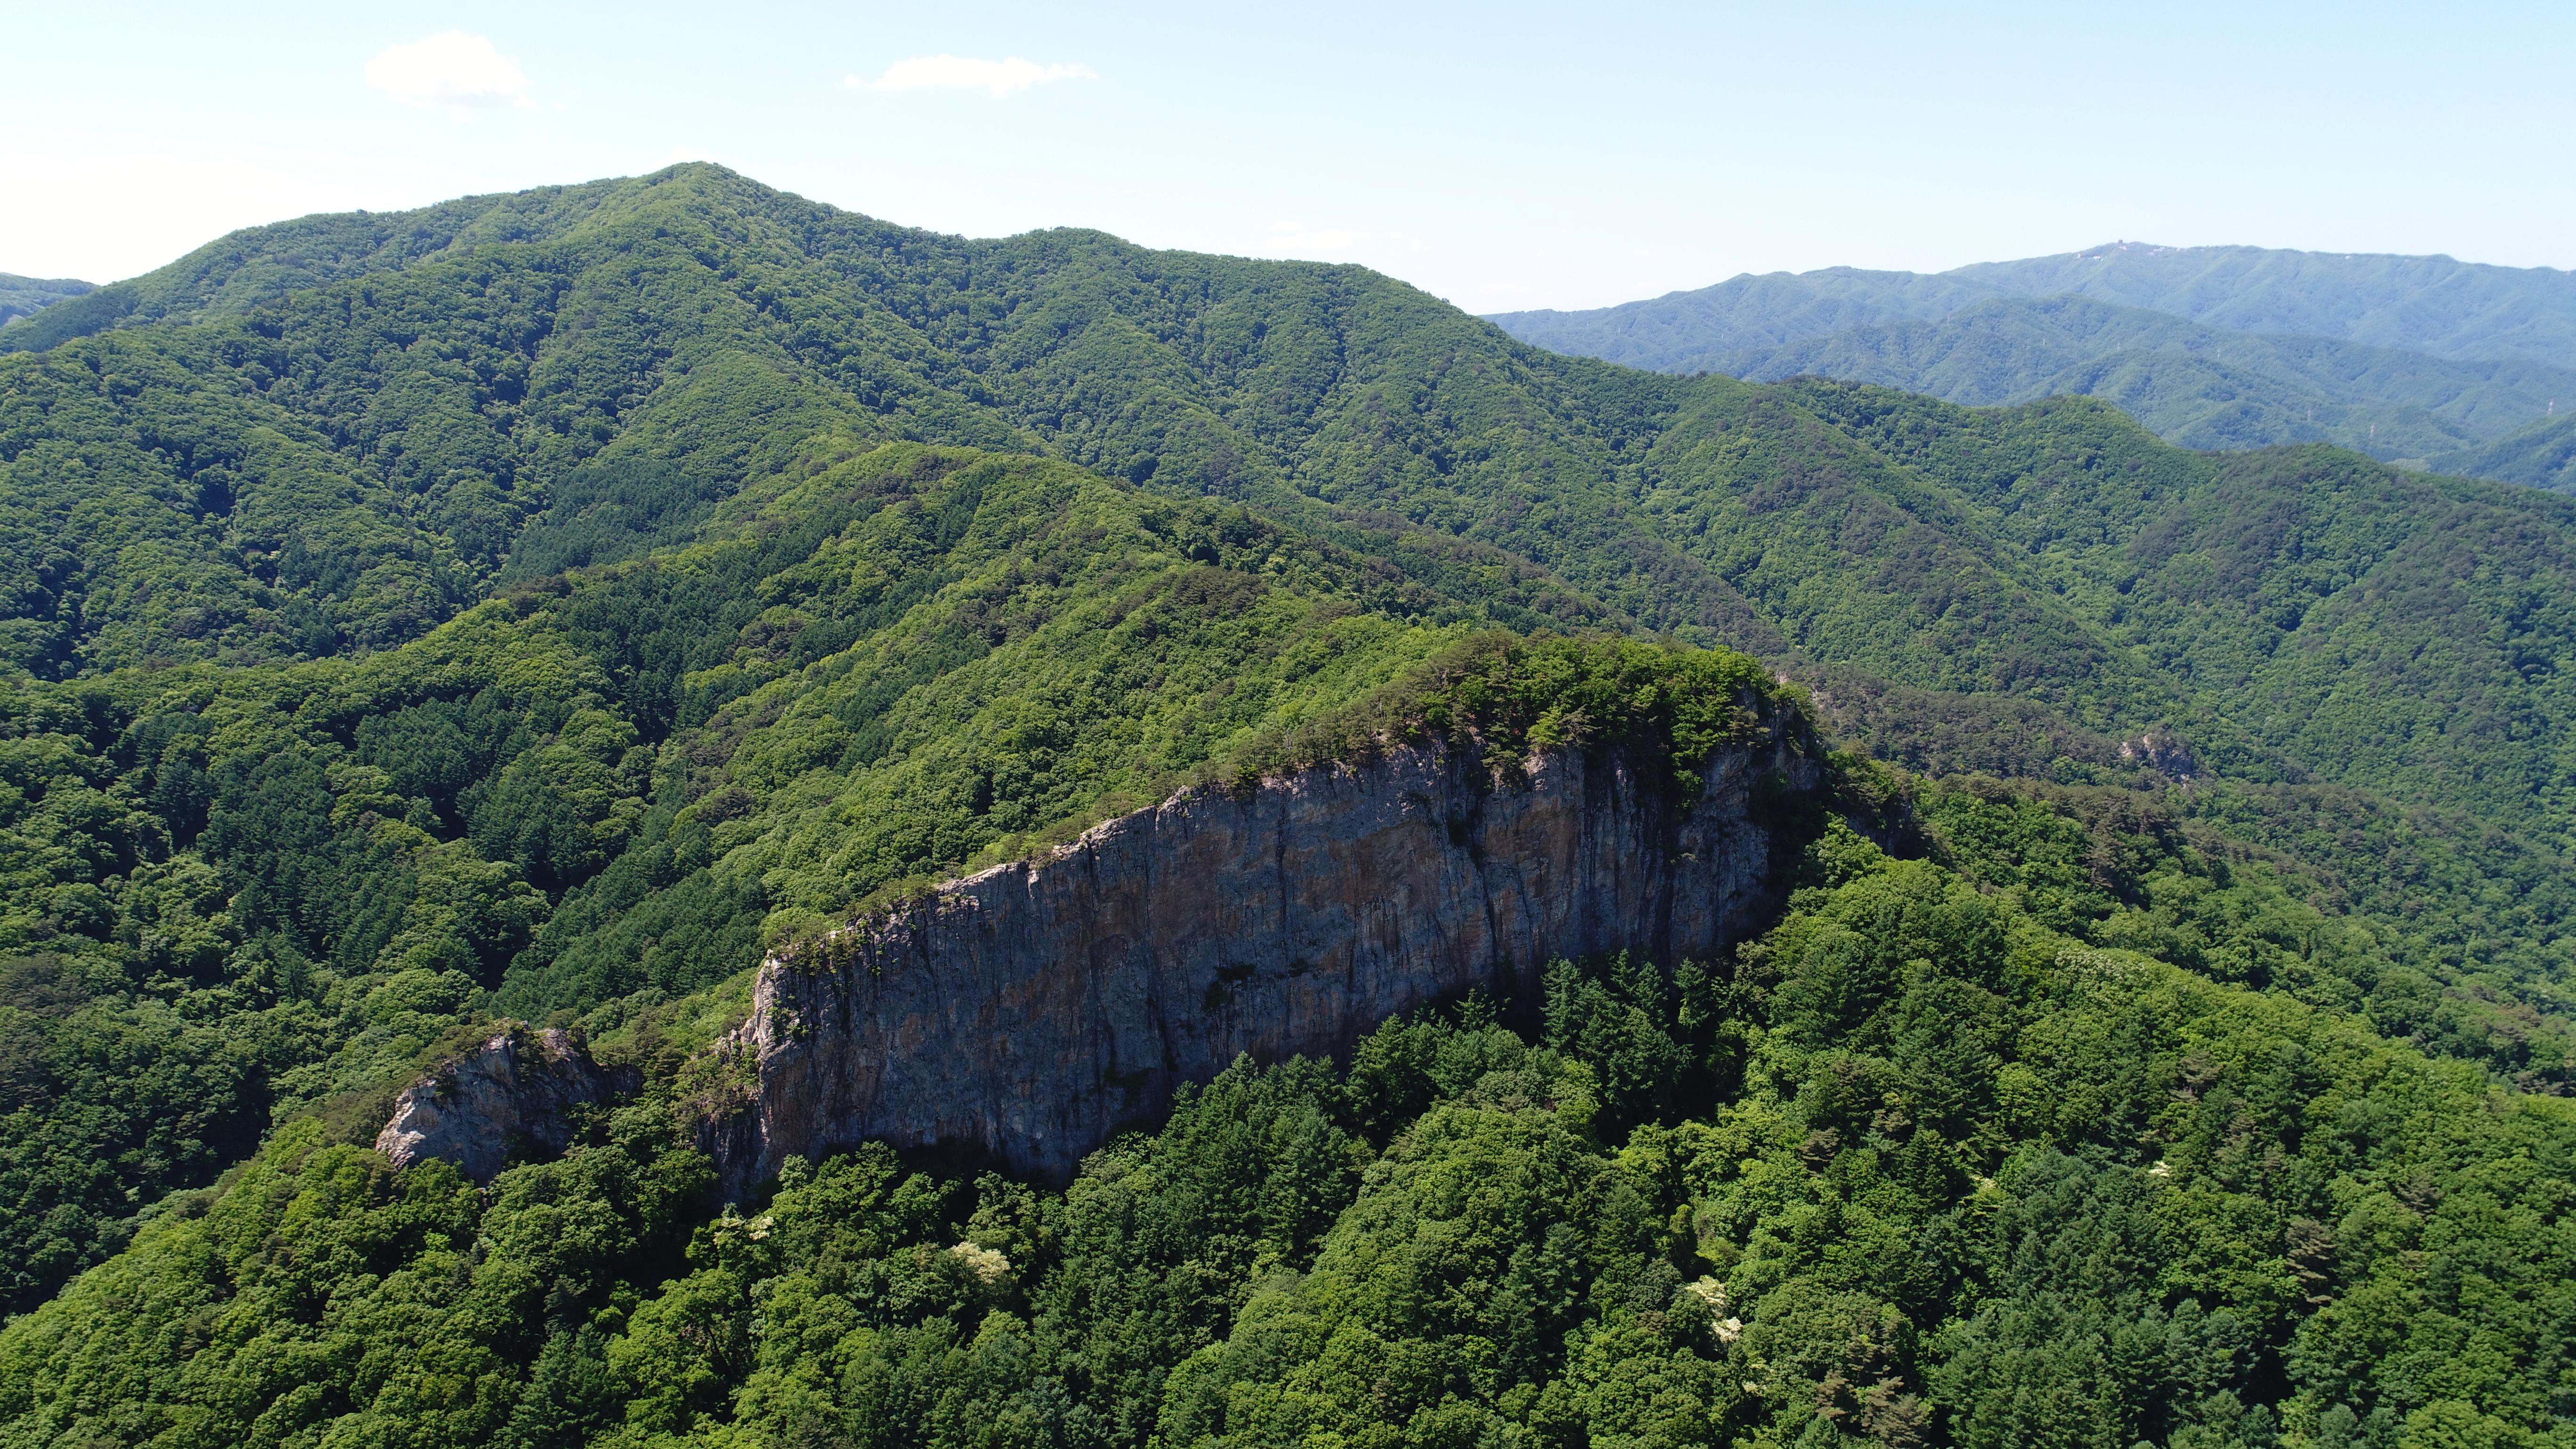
2442,933
340,452
1911,1169
462,1295
541,603
268,886
916,661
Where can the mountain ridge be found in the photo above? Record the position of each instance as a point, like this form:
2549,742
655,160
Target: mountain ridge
2421,359
406,636
2430,304
2275,384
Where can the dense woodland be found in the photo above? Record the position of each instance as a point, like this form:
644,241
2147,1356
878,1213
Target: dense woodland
533,607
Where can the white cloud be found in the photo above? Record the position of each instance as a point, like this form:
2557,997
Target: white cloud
450,70
678,154
964,73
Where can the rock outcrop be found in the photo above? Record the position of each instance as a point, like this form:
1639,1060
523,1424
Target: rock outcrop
506,1097
1025,1013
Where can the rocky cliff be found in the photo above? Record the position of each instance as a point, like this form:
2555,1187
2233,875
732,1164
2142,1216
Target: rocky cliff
1025,1013
508,1095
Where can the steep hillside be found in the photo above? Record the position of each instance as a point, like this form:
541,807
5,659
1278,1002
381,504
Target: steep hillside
1915,1168
346,466
234,892
842,682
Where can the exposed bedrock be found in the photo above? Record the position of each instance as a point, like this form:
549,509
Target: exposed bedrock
505,1098
1025,1013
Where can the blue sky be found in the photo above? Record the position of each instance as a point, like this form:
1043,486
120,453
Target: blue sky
1496,155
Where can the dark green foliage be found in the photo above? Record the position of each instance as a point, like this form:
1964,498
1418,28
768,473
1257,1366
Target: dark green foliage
244,891
831,558
2452,936
1962,1180
2257,579
1518,697
608,512
350,440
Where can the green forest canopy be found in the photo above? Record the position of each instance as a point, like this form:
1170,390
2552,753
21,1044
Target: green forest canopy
532,605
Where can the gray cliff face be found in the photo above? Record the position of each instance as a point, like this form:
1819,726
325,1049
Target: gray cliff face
1027,1012
509,1093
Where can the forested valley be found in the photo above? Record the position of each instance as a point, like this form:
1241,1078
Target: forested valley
535,608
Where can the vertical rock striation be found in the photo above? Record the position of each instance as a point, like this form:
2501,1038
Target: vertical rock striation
1025,1013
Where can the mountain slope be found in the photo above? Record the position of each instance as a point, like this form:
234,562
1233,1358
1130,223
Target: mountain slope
231,892
341,468
1916,1165
2433,305
2542,455
550,620
2459,310
1742,314
2411,358
22,297
247,269
2193,385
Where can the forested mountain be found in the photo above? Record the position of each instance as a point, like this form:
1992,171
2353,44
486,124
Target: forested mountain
532,606
2198,386
26,296
2405,358
1744,314
2542,455
344,468
2461,310
2433,305
234,274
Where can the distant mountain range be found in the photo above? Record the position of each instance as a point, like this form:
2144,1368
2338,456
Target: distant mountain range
2424,361
26,296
